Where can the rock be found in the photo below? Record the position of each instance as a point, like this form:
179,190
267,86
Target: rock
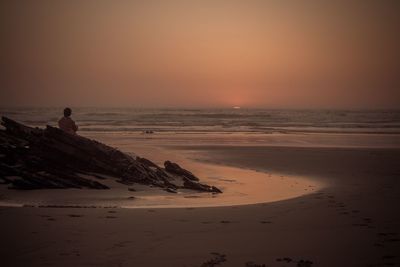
176,169
52,158
147,162
171,190
189,184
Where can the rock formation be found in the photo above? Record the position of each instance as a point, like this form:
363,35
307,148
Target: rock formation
34,158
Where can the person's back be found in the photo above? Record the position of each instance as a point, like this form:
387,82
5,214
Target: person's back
66,123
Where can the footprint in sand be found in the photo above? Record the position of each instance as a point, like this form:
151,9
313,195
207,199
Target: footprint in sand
376,244
217,259
252,264
75,215
388,260
387,234
392,240
367,220
385,238
388,257
121,244
360,224
286,259
300,263
304,263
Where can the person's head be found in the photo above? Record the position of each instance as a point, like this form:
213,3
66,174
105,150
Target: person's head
67,112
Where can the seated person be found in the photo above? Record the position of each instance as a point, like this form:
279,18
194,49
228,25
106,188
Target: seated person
66,123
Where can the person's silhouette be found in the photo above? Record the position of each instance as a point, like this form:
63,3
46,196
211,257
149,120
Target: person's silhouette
66,123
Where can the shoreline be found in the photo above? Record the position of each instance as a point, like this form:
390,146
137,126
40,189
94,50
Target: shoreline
179,139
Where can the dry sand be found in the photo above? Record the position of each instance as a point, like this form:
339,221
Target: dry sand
354,221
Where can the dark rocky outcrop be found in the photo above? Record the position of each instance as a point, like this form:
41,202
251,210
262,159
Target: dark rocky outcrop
34,158
176,169
189,184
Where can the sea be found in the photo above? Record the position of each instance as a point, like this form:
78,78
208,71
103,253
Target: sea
239,126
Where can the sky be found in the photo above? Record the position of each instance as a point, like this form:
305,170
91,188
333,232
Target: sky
252,53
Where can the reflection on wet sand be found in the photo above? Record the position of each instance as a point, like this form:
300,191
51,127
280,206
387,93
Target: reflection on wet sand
239,186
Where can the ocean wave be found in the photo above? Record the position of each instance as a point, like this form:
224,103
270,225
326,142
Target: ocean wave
214,120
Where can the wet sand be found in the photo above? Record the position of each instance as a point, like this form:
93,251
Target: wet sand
351,222
240,186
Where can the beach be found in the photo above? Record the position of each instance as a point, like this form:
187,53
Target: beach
352,221
200,134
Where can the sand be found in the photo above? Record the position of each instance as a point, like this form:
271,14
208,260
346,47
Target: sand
352,221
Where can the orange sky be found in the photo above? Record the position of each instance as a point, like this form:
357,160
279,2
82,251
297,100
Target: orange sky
272,54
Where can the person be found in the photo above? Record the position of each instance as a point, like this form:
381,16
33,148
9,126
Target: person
66,123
